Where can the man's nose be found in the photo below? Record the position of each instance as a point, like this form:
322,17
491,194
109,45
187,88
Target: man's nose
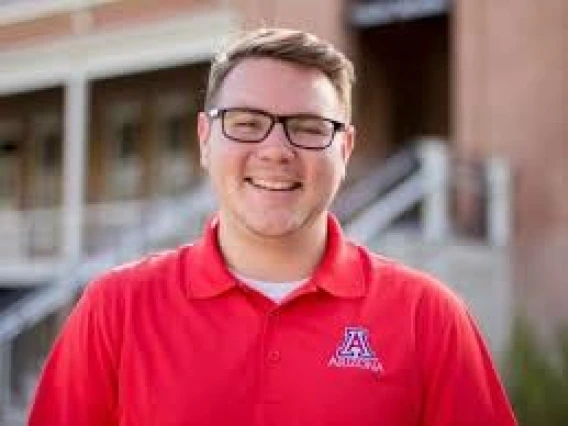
276,145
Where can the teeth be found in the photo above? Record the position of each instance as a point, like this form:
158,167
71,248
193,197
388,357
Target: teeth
273,185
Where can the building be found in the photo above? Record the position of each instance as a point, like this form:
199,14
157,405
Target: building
98,101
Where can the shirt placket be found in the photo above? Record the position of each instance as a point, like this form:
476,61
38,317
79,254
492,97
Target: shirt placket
270,395
273,360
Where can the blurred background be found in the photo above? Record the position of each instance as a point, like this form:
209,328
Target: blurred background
461,166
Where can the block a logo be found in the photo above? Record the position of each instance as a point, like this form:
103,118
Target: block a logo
355,351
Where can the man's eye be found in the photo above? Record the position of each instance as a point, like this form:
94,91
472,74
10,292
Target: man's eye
309,128
252,124
312,130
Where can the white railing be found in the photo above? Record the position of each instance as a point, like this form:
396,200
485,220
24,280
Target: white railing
429,186
435,175
500,202
366,190
380,215
36,234
29,233
188,213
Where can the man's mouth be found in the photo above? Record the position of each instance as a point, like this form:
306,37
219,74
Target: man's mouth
273,185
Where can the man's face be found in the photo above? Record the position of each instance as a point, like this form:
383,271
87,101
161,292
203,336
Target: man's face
271,188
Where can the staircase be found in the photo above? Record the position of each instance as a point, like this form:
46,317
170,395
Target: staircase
476,268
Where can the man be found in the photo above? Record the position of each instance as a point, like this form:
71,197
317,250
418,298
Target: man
272,318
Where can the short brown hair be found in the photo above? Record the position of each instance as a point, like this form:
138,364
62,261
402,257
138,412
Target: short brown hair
294,46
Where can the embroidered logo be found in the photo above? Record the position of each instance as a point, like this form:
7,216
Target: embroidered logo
355,351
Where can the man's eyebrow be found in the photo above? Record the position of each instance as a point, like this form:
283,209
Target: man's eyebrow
299,113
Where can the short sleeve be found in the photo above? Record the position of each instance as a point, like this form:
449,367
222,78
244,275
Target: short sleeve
78,385
460,382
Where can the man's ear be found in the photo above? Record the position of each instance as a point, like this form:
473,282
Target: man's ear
348,143
203,132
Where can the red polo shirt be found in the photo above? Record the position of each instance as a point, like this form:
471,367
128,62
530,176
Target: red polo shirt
176,340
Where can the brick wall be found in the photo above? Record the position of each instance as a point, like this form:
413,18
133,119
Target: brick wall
511,65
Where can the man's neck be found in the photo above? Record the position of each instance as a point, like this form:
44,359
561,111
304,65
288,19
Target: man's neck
277,259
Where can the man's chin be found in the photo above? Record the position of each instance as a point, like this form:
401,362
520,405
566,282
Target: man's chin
275,231
274,228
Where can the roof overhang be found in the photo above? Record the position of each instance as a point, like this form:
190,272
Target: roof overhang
183,40
12,11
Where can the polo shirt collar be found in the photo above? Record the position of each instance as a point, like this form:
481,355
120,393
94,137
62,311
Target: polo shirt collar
340,272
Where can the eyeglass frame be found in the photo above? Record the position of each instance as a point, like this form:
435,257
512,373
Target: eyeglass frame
338,126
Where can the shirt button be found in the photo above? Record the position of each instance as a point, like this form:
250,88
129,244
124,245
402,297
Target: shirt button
274,356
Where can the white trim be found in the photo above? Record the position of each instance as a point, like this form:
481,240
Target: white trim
74,167
186,39
30,272
21,11
499,209
435,170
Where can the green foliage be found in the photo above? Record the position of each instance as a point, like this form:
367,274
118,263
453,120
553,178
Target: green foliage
538,380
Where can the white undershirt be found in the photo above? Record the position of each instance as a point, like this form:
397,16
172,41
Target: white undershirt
275,291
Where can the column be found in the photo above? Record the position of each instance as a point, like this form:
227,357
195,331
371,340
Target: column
74,167
435,207
499,201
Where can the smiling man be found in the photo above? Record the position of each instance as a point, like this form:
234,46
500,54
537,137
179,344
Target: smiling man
275,141
272,317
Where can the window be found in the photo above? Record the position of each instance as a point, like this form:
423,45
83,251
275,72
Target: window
128,135
52,151
8,170
174,134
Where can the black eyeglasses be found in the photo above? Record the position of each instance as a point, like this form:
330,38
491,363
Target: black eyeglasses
252,126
